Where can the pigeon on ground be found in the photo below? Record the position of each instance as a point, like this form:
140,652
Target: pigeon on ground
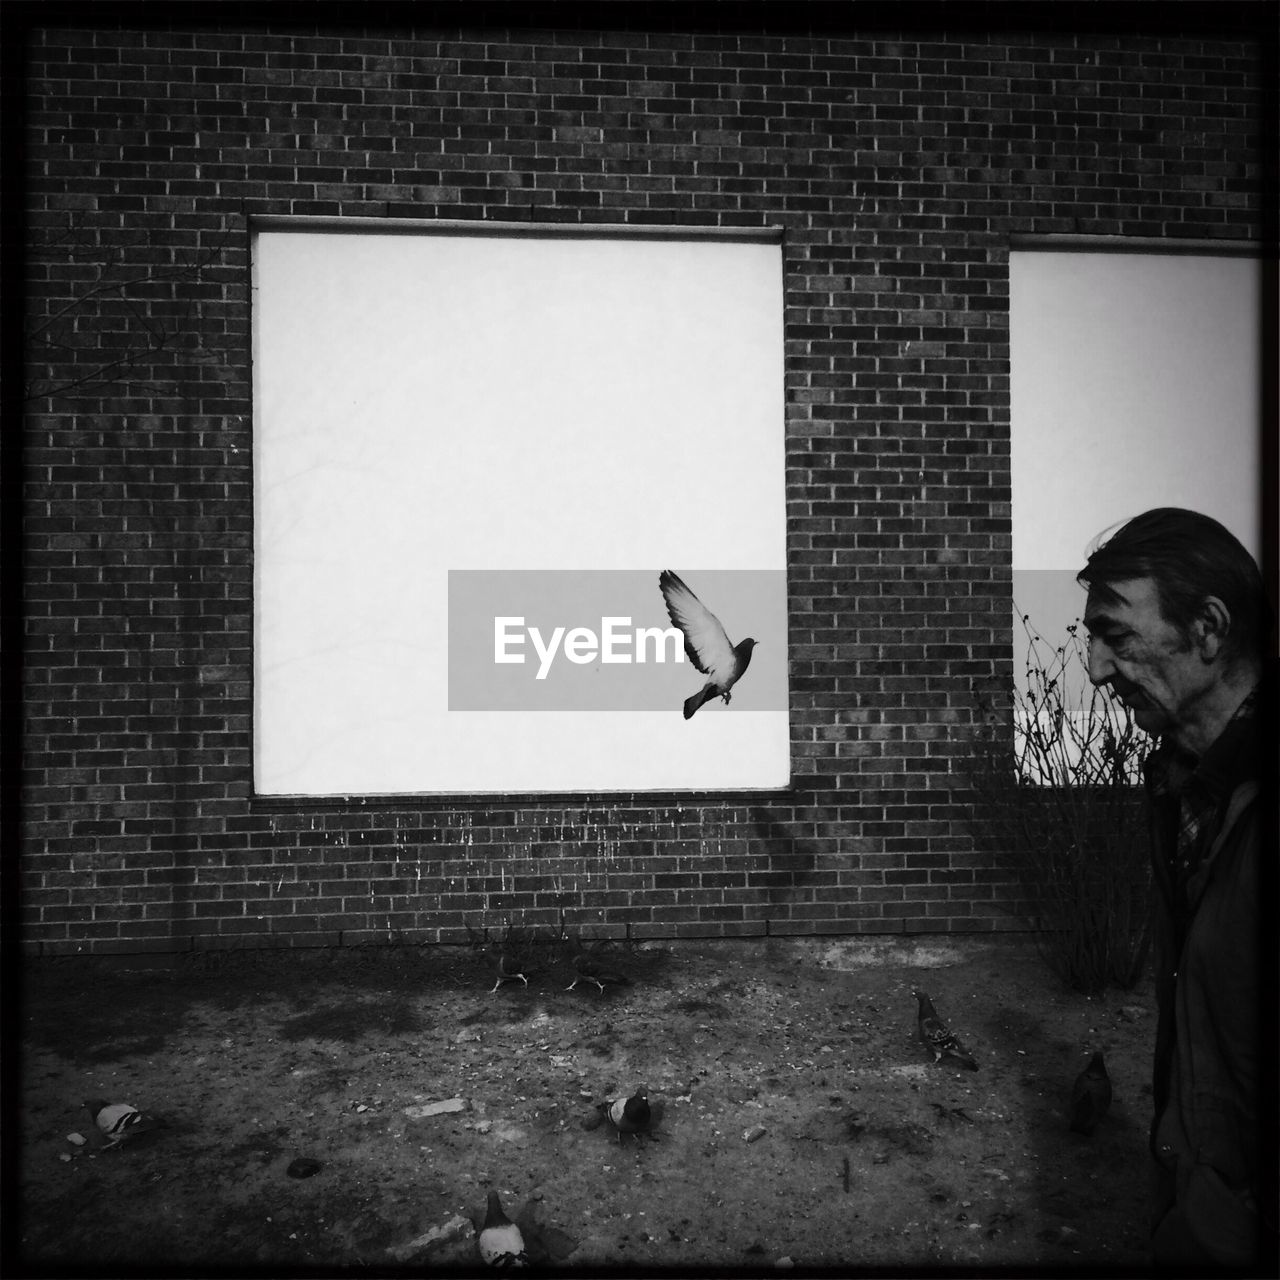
589,967
629,1115
937,1037
1090,1096
512,957
119,1120
500,1241
509,968
705,643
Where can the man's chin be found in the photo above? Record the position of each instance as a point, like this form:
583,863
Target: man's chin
1150,720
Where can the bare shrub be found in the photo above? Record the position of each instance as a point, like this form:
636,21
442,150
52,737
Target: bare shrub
1055,777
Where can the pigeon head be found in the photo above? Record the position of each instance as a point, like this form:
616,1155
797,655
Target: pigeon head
923,1004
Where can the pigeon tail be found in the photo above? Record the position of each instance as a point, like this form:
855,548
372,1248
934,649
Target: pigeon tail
705,694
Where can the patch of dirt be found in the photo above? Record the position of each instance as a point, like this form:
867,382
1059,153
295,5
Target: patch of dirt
870,1157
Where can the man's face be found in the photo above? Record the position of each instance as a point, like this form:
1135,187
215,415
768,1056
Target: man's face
1144,661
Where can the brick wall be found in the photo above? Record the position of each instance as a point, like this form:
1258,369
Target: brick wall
899,166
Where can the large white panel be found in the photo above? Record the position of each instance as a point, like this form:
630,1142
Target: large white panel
1135,383
434,402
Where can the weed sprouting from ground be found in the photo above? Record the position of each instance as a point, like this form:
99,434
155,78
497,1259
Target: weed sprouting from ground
1055,779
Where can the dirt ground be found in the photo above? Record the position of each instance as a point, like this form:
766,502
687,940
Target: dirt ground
871,1157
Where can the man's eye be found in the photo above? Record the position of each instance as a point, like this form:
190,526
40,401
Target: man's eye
1112,639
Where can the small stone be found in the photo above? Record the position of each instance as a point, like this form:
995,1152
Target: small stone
64,1155
911,1071
427,1109
784,1263
455,1228
76,1139
754,1134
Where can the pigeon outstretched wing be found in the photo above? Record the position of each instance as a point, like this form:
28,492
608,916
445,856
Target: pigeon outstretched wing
706,642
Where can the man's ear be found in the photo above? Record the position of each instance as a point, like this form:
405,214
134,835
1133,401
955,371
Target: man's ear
1211,628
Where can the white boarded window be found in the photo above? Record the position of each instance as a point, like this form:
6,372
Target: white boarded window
1135,383
432,402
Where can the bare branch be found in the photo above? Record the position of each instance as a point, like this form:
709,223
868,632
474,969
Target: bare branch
51,338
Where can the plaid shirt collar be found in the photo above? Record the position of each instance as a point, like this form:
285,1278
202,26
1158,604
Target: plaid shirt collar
1193,790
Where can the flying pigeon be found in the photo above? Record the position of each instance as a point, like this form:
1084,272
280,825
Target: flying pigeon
705,642
500,1241
629,1115
120,1120
937,1037
1090,1096
590,968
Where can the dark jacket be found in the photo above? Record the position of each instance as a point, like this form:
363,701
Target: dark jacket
1208,1057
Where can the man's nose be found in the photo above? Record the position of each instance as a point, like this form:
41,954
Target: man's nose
1101,667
